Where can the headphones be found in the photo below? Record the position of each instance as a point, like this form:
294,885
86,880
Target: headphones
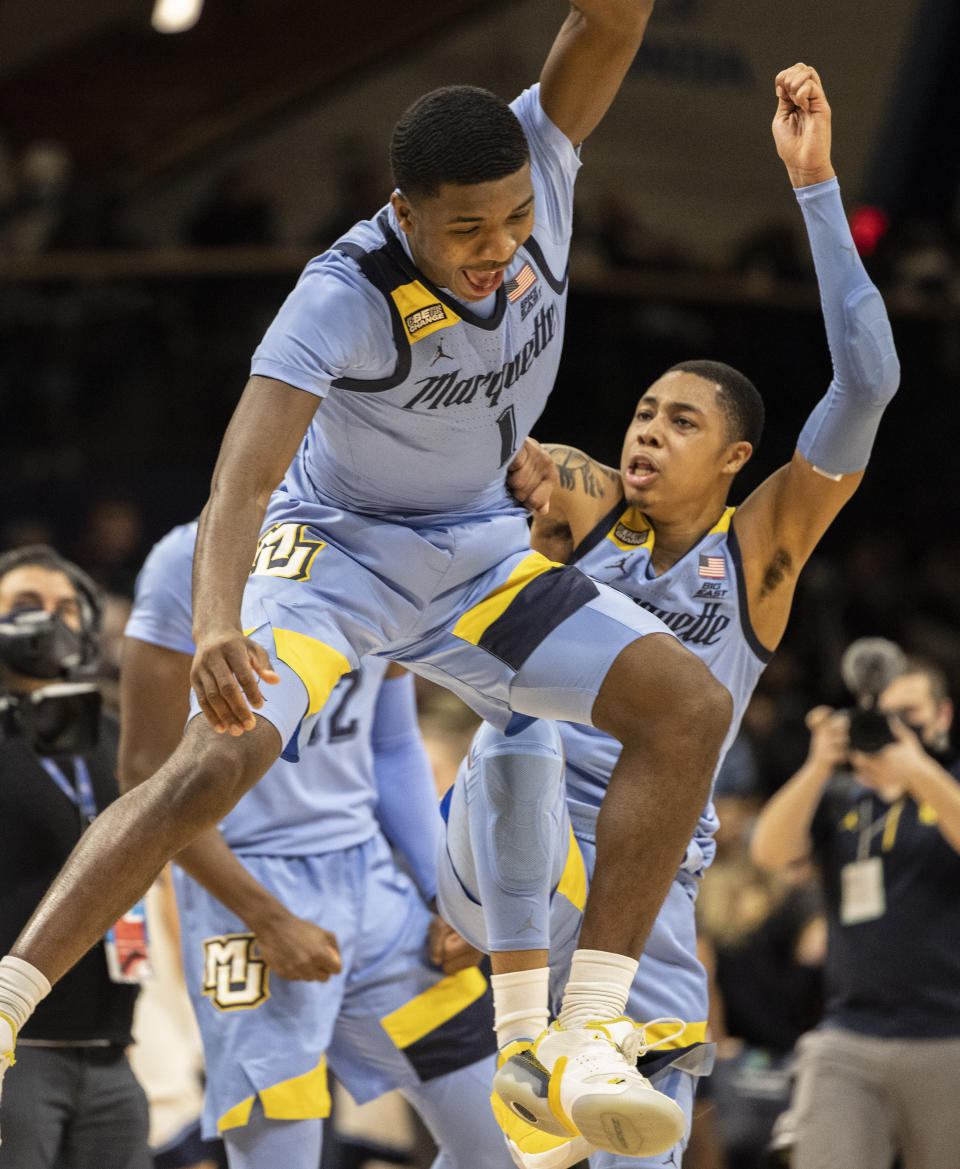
89,595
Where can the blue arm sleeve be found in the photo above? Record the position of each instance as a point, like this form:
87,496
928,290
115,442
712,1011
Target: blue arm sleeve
838,435
408,808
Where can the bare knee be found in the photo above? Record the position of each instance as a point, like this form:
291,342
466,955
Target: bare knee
656,688
208,773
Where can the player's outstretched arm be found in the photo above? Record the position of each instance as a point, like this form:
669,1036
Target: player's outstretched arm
267,426
154,705
588,61
780,524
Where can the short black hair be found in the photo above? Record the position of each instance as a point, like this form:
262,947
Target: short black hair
458,134
739,398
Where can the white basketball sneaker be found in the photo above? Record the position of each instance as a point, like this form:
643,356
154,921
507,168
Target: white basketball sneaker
530,1147
584,1082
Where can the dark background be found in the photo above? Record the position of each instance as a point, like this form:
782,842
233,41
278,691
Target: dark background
124,344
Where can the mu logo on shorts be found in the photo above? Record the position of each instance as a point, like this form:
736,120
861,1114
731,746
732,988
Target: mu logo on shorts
233,979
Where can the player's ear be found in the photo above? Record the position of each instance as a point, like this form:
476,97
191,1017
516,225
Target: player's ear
737,455
402,209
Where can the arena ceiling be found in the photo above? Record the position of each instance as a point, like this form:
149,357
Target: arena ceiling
246,62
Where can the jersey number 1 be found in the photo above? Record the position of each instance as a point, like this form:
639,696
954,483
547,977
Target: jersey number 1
507,424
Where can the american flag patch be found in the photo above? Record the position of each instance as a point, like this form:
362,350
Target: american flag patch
523,280
712,567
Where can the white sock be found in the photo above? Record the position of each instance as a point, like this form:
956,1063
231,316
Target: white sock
22,986
597,988
520,1004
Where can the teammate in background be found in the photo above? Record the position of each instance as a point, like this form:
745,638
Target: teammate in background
520,847
432,333
277,996
877,1078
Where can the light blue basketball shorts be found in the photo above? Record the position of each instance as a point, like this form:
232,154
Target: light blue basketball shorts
388,1020
469,606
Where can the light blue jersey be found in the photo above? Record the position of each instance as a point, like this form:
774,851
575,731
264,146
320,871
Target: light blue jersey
426,398
328,803
701,599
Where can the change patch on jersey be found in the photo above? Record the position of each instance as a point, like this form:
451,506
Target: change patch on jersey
628,535
420,311
235,978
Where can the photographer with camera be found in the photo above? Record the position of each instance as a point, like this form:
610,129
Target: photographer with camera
75,1100
877,803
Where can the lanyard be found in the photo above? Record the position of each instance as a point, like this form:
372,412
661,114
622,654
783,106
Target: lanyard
80,796
869,830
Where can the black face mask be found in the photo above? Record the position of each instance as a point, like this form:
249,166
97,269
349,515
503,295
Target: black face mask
38,644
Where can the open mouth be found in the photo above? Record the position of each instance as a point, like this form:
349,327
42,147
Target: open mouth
641,471
483,283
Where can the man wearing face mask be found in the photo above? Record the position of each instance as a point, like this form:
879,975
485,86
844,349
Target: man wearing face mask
75,1100
878,1076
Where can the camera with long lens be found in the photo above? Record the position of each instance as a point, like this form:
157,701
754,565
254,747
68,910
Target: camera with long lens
62,717
868,667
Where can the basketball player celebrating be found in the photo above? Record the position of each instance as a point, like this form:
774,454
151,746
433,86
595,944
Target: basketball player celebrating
392,534
522,817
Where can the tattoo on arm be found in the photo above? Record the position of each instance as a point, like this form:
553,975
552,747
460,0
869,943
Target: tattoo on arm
578,472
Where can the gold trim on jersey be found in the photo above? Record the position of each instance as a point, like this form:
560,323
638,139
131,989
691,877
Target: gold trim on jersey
475,622
573,879
237,1116
420,311
633,530
318,666
305,1097
434,1006
723,523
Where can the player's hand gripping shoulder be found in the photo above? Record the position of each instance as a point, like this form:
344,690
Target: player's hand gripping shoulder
532,477
801,125
224,676
296,949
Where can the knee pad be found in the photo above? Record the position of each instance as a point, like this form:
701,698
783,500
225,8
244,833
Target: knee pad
520,786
